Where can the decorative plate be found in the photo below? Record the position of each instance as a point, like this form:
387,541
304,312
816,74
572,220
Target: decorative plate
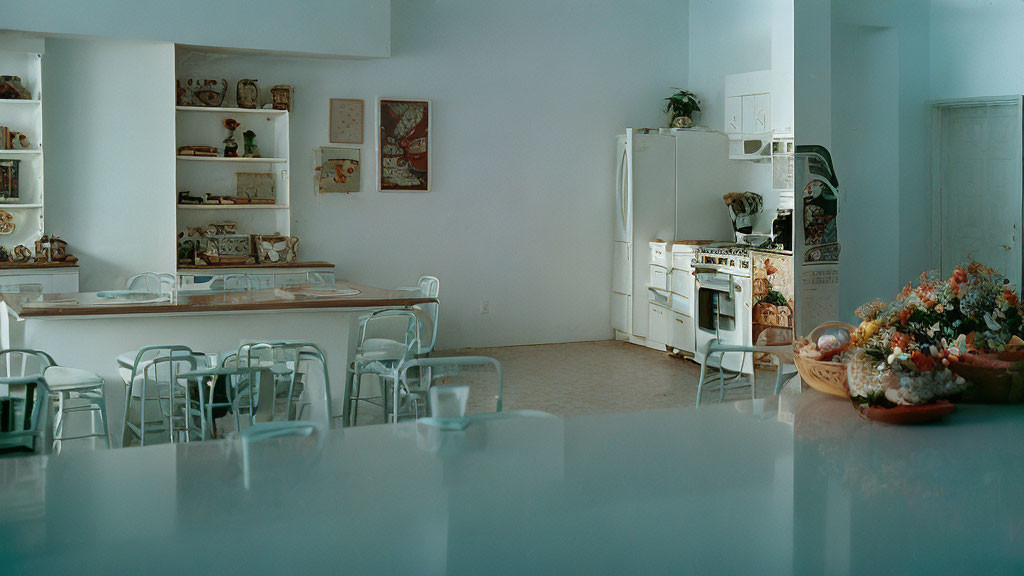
6,222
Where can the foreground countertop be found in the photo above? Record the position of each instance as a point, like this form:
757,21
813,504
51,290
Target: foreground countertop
791,485
183,302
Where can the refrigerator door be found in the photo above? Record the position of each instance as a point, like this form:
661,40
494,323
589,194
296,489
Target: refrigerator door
623,215
704,173
652,184
622,313
622,268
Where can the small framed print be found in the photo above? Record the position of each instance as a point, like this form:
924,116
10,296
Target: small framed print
346,121
403,145
337,170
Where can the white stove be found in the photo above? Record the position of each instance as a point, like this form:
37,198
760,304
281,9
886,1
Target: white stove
733,259
723,290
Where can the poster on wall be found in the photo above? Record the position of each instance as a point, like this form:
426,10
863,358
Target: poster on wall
337,170
403,145
346,121
772,299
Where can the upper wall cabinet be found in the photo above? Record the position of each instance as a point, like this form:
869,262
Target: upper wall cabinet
320,27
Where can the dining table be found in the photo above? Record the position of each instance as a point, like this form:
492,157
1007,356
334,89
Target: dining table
791,484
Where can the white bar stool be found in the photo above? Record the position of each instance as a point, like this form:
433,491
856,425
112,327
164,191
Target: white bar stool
76,391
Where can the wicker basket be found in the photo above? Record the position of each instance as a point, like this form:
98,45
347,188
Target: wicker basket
827,377
990,385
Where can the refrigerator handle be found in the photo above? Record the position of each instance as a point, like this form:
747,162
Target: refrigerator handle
620,181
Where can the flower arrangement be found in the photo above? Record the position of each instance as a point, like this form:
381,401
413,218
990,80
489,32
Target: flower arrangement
903,350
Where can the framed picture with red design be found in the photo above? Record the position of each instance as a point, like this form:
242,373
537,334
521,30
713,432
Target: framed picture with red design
403,145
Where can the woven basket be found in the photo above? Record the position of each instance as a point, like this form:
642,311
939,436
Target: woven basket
990,385
827,377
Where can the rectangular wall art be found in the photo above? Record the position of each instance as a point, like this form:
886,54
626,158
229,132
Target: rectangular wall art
403,145
346,121
337,170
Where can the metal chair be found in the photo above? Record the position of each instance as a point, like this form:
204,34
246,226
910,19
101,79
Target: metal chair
77,391
779,353
27,395
381,357
266,431
416,389
143,376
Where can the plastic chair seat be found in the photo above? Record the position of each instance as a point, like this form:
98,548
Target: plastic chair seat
61,378
381,349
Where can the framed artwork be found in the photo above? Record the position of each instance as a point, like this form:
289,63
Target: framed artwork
403,145
255,188
337,170
346,121
9,180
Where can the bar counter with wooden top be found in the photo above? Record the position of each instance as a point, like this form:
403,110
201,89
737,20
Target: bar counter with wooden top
89,330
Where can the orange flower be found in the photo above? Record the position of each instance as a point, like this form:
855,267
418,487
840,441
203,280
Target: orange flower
906,290
1011,296
923,362
900,340
905,314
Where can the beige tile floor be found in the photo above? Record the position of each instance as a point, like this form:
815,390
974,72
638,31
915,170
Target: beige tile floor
584,378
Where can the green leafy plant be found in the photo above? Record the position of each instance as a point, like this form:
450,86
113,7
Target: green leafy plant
682,103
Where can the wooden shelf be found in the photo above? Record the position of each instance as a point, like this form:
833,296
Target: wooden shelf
240,159
29,152
229,110
35,265
197,267
232,206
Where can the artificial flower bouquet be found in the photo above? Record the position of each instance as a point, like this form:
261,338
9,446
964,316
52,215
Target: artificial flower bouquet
914,350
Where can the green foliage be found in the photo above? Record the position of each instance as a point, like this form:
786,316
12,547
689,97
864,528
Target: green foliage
682,103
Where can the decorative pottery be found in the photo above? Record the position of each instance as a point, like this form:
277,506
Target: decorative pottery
5,256
992,381
682,122
918,414
11,140
11,88
225,249
6,223
281,94
247,93
21,254
201,92
276,249
52,249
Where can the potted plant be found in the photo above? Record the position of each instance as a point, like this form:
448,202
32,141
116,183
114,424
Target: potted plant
682,105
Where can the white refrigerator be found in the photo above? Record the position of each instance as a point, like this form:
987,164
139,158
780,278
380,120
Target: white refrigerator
668,186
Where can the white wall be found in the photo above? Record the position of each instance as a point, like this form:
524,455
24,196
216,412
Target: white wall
527,99
328,27
108,127
726,37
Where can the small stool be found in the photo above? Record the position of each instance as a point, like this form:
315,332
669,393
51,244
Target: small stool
76,391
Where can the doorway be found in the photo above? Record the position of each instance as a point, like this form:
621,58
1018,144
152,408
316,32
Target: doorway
977,184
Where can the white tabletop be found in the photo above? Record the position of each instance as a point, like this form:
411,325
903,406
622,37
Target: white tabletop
797,485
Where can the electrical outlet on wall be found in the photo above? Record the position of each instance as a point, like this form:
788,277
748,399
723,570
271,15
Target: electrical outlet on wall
485,307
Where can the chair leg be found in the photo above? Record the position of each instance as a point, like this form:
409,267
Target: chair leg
700,381
395,388
103,415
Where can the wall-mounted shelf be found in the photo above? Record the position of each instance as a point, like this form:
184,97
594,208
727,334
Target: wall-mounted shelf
231,110
10,206
232,206
20,102
239,159
28,152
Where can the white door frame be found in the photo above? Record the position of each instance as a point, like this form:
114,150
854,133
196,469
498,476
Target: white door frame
936,152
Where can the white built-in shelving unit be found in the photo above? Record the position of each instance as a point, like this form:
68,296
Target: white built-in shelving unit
204,126
25,116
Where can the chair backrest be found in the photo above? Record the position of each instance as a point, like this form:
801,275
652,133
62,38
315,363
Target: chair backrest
152,282
399,325
20,363
23,404
431,369
267,431
430,287
251,352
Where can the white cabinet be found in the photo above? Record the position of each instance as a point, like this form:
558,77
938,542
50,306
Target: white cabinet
682,335
659,277
660,325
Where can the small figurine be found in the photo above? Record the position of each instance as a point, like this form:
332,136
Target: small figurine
282,96
53,249
230,146
251,149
